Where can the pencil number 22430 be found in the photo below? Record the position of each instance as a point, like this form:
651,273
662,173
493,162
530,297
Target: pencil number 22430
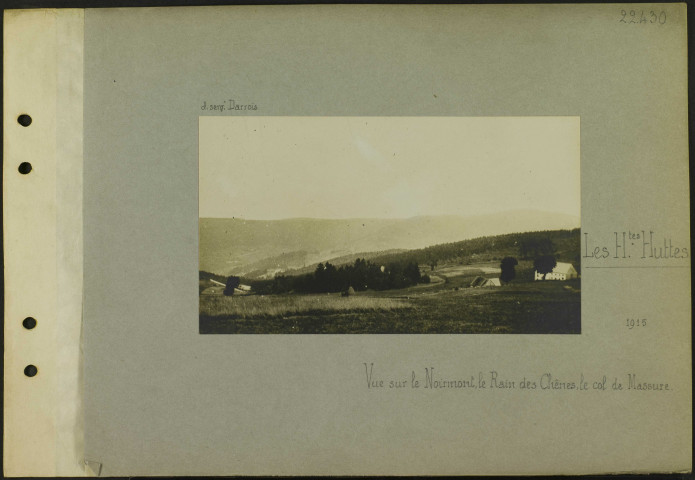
651,17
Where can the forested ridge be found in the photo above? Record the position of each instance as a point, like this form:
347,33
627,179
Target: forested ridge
563,244
400,270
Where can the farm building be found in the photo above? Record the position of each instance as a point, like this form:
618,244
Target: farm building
213,291
562,271
485,282
242,290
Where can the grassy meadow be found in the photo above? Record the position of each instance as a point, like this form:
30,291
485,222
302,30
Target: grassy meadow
448,305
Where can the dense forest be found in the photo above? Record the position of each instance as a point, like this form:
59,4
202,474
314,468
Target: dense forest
361,275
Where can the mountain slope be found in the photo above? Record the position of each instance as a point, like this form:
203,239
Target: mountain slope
238,246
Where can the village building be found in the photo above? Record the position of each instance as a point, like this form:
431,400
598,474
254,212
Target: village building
213,291
218,289
242,290
486,282
562,271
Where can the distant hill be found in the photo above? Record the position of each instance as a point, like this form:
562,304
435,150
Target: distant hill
265,247
564,245
268,267
444,260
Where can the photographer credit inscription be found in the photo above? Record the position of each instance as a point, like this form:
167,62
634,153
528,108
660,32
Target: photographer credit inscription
430,378
227,106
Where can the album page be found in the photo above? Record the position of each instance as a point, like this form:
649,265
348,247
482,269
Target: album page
347,240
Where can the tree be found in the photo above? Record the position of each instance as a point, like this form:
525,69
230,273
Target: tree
232,283
331,278
544,264
507,266
412,273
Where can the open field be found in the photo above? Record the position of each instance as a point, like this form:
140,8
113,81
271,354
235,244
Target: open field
279,306
456,270
447,307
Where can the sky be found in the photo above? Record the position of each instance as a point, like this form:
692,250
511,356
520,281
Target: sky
265,168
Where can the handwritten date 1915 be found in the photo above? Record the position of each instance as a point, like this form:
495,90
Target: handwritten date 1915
636,322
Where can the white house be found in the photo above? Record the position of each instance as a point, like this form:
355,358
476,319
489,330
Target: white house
562,271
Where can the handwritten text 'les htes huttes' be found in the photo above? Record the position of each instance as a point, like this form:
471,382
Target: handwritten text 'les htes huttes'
640,244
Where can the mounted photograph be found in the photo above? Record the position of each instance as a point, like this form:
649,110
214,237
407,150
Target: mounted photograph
372,225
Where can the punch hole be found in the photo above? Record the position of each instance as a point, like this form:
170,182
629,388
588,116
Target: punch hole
24,120
30,370
29,323
24,168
